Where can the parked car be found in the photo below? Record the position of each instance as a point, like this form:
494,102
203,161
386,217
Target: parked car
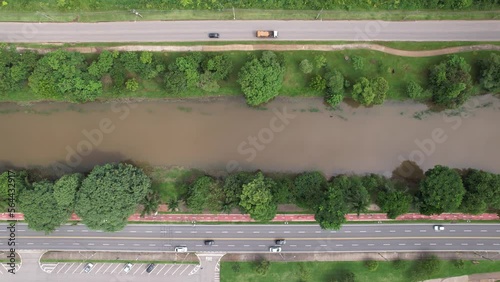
150,268
438,227
88,267
127,268
275,249
213,35
209,242
280,242
181,249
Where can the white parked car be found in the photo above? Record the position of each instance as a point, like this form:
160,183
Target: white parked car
438,227
127,267
88,267
181,249
275,249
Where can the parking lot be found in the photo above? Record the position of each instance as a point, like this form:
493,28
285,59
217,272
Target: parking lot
118,269
4,268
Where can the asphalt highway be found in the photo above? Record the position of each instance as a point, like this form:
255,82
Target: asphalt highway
258,238
245,30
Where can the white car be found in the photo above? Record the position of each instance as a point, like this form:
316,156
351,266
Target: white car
275,249
127,267
181,249
88,267
438,227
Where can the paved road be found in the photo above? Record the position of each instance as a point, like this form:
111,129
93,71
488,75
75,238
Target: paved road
245,30
258,238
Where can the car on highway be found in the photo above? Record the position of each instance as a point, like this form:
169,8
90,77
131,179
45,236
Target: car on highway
209,242
280,242
275,249
438,227
127,267
88,267
181,249
150,268
213,35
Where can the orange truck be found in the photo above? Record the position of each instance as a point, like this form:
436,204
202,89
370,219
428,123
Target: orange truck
267,33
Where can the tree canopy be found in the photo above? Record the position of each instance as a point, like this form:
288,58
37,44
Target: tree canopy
394,202
450,82
440,191
309,188
330,214
65,190
482,191
257,198
110,194
261,79
489,77
334,88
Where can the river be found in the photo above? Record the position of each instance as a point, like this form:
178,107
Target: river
288,136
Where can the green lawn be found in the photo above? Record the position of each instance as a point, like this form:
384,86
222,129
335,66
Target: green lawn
171,183
398,71
326,271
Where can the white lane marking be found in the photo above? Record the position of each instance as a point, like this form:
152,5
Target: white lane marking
152,245
161,269
181,232
230,245
496,244
255,232
480,244
121,244
107,268
423,230
30,243
362,231
91,244
78,267
169,269
194,232
467,230
322,245
317,231
417,244
452,230
354,245
239,232
261,245
45,243
271,231
85,231
66,230
246,245
484,230
224,232
149,231
198,245
76,244
69,268
371,244
448,244
377,231
132,231
21,230
208,231
100,268
115,269
62,267
308,245
293,245
287,231
137,244
406,231
188,266
387,244
392,231
432,244
333,231
464,244
339,245
498,230
347,231
105,244
302,232
402,244
177,269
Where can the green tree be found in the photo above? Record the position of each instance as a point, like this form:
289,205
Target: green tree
65,190
489,77
414,90
132,85
219,66
451,82
40,208
358,62
334,88
262,267
394,202
372,265
150,203
208,82
425,268
355,194
440,191
320,61
257,199
309,188
306,66
102,65
232,188
482,191
20,182
15,67
318,83
362,92
184,73
380,87
459,263
344,276
330,214
198,193
110,194
261,79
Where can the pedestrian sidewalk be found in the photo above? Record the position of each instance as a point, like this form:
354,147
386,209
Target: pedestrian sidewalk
171,217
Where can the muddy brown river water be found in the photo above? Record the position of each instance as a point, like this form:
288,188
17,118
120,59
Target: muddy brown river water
290,136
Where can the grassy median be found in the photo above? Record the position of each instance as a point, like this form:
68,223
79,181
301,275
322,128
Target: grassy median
327,271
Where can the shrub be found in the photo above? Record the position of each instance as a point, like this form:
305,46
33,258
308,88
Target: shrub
414,90
320,61
358,62
318,83
132,84
372,265
306,66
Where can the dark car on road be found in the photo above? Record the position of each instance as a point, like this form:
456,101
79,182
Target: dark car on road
209,242
150,268
280,242
213,35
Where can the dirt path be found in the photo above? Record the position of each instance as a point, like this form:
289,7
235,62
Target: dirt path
274,47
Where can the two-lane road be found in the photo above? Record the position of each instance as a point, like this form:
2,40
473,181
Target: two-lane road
245,30
258,238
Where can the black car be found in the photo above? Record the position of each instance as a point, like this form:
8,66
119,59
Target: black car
209,242
280,242
150,268
213,35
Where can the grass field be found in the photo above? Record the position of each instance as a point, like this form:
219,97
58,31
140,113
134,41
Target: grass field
326,271
398,71
38,12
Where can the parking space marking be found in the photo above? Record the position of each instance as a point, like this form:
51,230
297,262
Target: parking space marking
100,268
78,267
185,269
169,269
177,269
143,271
62,267
161,269
69,268
139,267
115,268
107,268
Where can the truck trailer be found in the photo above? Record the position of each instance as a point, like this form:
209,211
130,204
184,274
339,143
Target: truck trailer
267,33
